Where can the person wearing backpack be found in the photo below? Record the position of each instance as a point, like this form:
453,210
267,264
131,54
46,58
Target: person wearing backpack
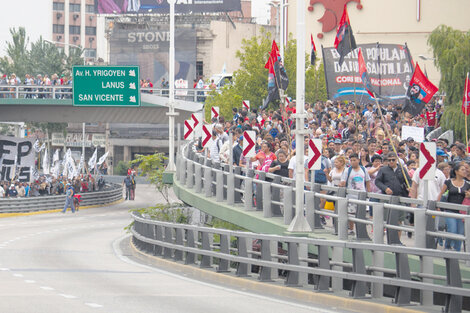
69,192
356,178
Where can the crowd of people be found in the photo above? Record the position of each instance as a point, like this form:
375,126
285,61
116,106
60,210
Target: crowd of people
36,87
362,149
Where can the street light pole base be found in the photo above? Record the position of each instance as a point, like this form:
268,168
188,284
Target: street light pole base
299,224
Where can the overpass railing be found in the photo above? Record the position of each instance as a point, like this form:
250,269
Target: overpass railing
66,92
111,193
276,198
288,258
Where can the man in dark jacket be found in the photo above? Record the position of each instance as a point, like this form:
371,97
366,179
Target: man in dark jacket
390,178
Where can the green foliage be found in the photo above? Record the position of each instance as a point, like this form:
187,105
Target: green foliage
121,168
451,50
173,213
218,223
152,166
250,82
41,58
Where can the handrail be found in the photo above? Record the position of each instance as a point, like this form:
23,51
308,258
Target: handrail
112,193
180,242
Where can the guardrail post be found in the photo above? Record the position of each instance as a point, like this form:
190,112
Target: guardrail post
453,303
402,294
378,256
248,194
466,225
219,190
190,242
190,177
237,184
182,167
265,271
310,207
230,188
197,178
288,207
341,193
342,204
208,181
267,205
259,192
168,252
431,241
427,267
159,237
276,196
292,278
359,288
361,229
322,282
226,169
242,268
224,248
393,219
179,241
205,245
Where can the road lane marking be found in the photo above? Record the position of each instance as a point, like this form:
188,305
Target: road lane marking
18,275
46,288
94,305
67,296
30,281
4,269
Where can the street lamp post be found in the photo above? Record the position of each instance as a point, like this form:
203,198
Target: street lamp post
299,223
280,27
171,79
63,43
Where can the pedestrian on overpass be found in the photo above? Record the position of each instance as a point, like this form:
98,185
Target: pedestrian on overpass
69,192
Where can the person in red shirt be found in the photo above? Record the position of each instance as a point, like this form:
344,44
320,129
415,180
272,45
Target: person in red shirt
431,119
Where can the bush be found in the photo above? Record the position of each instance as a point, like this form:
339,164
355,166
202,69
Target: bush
121,168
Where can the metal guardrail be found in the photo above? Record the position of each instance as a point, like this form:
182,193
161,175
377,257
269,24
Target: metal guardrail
289,257
66,92
112,193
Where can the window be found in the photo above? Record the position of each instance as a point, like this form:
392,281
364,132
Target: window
74,7
90,30
57,29
90,8
199,69
58,6
74,30
90,53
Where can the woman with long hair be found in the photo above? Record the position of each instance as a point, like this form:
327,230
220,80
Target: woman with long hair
459,189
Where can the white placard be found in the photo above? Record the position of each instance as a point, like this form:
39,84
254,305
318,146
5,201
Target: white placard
417,133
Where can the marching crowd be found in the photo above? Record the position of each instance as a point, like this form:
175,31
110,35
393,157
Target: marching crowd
363,149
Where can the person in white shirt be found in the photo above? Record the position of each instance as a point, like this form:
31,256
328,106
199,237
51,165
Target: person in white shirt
2,192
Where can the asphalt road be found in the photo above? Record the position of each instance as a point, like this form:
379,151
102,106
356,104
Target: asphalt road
81,263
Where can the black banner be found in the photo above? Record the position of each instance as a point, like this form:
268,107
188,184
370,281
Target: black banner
149,49
162,6
17,158
388,66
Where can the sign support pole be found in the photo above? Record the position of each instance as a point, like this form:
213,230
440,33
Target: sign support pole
299,223
83,142
171,79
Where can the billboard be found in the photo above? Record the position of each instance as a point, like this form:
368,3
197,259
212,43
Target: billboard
17,159
389,67
162,6
149,49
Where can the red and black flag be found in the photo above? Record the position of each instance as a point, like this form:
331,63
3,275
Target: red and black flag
313,54
344,41
420,92
363,73
277,76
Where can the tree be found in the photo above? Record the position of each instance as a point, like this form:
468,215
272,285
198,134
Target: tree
250,82
46,58
17,54
451,50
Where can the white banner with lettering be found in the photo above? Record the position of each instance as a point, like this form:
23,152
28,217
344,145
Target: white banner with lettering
17,158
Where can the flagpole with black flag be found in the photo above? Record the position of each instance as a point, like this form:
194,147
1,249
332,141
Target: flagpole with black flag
325,72
466,113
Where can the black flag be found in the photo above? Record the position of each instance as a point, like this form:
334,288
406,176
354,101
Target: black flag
344,41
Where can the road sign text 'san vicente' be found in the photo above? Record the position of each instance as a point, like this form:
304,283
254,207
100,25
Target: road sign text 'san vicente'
106,86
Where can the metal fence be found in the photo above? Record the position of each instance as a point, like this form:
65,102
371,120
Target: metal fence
66,92
314,264
111,193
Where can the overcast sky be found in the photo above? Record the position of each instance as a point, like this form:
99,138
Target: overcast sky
35,16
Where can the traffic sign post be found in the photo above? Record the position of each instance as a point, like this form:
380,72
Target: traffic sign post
206,135
215,113
188,130
249,137
427,160
246,104
106,86
314,154
197,124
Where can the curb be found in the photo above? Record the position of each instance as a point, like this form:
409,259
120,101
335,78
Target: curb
5,215
291,293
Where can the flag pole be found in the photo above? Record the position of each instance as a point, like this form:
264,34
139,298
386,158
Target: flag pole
466,114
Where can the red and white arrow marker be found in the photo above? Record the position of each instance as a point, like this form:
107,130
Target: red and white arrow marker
314,154
215,112
249,137
246,104
427,160
197,124
188,130
206,135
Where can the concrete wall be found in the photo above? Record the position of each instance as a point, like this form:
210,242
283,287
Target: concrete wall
388,21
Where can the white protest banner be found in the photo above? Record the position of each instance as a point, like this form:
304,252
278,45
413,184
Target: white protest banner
417,133
103,158
19,153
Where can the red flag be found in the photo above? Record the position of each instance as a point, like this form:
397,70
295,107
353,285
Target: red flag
363,73
344,40
466,97
421,89
313,53
272,58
